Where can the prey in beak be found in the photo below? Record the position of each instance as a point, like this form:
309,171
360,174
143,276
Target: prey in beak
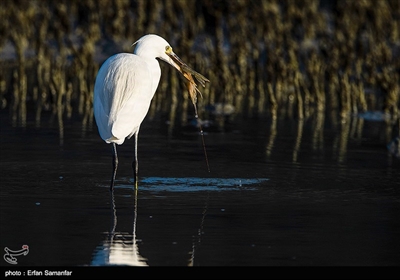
188,73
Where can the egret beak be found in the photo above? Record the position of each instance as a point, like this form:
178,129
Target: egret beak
174,59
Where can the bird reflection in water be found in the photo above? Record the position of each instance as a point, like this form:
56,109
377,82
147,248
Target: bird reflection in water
120,248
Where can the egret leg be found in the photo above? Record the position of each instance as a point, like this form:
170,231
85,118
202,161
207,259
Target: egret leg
135,163
115,164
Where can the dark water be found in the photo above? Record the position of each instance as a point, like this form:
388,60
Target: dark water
297,194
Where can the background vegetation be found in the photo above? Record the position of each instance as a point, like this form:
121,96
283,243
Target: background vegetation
266,58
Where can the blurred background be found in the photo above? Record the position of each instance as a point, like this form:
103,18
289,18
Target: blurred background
265,59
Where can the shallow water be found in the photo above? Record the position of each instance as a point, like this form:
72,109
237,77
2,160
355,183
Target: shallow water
297,194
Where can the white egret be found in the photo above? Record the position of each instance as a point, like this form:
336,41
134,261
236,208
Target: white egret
124,88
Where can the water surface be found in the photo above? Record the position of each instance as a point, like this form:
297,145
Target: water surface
286,195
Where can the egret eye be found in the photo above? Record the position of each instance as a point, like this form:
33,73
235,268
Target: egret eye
168,49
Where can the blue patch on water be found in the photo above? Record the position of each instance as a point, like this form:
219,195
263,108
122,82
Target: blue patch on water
190,184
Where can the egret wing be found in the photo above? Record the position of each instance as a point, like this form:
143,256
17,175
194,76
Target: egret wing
123,92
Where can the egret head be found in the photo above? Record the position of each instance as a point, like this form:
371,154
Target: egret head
157,47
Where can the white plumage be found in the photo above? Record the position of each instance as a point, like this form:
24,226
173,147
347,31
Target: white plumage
125,86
